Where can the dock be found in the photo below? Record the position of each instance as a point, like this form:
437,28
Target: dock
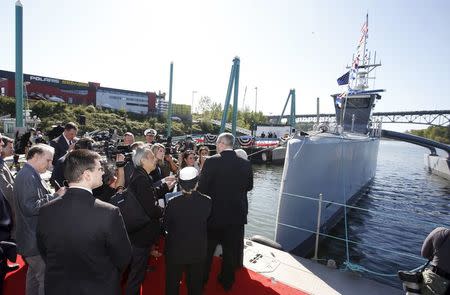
307,275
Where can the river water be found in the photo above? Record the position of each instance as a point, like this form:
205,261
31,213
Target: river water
403,204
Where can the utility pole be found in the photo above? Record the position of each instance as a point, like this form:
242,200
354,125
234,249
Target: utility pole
19,66
169,112
256,98
243,100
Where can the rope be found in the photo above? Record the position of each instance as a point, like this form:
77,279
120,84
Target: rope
353,242
347,251
360,268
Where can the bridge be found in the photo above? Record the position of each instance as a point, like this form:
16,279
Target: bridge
432,118
228,126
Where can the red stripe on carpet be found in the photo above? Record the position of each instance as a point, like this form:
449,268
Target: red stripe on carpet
247,282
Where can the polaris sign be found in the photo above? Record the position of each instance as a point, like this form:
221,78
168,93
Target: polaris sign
44,79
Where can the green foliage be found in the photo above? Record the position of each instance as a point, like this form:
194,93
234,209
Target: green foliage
437,133
7,106
52,113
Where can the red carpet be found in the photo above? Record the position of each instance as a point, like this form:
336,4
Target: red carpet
247,282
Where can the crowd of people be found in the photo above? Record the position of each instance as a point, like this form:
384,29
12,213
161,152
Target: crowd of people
73,240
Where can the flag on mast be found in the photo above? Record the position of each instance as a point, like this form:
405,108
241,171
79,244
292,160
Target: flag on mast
343,80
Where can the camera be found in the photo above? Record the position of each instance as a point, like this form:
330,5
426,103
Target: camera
111,151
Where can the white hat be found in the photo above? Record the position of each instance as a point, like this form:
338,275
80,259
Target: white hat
151,131
188,173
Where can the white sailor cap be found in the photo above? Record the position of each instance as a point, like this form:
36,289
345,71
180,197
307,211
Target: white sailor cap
150,131
188,178
188,173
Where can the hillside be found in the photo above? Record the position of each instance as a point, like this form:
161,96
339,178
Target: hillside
52,113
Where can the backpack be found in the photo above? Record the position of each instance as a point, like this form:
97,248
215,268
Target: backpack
133,214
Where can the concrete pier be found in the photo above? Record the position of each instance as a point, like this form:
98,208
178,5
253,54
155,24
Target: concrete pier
307,275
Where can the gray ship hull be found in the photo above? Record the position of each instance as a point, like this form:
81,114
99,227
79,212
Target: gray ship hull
336,166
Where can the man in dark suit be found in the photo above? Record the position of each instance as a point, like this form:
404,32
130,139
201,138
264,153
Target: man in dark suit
57,178
82,240
65,141
226,178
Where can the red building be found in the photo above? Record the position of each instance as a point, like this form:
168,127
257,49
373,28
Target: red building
55,89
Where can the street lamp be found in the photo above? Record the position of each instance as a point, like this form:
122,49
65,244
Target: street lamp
192,103
256,98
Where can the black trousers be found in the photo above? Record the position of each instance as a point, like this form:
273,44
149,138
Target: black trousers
3,266
194,277
137,270
229,237
240,245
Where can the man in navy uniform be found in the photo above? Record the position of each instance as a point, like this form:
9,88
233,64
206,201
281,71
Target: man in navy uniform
226,178
185,221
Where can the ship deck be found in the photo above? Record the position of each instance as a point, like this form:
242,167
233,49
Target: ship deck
273,272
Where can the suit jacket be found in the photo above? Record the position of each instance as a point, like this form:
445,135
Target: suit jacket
226,178
58,173
5,219
61,147
141,184
84,244
7,184
30,194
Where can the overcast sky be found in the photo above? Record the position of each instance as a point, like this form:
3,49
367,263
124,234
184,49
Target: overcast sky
282,44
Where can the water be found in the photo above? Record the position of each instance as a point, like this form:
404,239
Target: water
405,203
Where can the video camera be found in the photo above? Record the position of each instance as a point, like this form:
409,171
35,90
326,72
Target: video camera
111,150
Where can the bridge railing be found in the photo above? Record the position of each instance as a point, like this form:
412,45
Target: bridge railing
433,118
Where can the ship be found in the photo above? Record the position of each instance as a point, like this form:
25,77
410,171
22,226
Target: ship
332,165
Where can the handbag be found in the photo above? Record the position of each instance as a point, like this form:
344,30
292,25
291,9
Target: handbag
133,214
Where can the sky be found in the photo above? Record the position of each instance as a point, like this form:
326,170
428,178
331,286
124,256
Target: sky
282,44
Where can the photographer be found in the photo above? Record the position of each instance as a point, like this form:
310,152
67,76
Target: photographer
188,144
113,180
436,248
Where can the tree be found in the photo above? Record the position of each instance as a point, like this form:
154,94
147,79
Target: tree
204,104
437,133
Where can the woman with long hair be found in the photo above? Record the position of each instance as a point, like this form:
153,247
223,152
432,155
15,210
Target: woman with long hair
188,159
203,154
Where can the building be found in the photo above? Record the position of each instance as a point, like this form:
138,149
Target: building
162,106
60,90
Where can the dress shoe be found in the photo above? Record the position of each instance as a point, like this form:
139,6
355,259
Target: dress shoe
225,285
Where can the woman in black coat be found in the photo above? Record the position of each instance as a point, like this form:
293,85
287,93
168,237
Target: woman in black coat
141,184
